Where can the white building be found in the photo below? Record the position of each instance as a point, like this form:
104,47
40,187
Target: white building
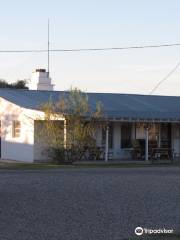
152,121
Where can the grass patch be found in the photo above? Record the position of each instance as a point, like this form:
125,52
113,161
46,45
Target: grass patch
31,166
123,165
39,166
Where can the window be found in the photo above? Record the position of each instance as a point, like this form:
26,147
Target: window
166,135
110,136
16,128
126,130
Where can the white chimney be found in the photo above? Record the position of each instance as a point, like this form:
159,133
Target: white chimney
40,80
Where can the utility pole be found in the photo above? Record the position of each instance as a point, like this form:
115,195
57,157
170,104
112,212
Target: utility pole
48,47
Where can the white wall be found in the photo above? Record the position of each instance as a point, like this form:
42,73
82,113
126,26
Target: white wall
118,152
40,145
19,148
116,140
98,136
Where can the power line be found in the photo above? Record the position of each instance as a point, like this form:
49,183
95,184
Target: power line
165,78
117,48
90,49
102,49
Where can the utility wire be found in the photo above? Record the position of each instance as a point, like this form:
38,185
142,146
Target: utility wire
90,49
105,49
165,78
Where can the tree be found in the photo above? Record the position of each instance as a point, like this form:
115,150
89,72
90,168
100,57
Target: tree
19,84
70,125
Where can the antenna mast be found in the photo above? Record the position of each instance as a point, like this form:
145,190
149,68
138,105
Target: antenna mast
48,46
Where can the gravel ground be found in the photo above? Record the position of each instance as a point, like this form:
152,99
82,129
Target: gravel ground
85,204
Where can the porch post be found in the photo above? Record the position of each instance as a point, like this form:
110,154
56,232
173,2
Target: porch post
159,137
65,134
107,144
147,143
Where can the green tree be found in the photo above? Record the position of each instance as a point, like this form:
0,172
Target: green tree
19,84
71,138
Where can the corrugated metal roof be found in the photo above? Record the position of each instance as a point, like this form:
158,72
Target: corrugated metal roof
115,105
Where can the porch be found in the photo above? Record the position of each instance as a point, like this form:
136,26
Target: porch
139,141
127,141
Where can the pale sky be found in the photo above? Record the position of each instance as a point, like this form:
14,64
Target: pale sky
93,24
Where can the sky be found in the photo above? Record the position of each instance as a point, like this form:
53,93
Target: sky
93,24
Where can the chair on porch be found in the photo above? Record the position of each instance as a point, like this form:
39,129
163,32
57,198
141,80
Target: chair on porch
161,153
137,151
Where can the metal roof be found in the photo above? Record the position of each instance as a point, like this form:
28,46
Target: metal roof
116,106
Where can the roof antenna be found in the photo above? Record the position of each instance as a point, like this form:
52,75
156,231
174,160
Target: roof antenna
48,47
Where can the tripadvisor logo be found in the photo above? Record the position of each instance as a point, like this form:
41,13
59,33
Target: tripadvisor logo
140,231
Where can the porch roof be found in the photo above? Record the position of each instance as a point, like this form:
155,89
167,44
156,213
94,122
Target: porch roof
130,107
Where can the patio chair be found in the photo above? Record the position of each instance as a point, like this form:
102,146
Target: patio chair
137,151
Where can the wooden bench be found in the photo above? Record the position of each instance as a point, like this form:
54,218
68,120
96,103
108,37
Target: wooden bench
160,153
